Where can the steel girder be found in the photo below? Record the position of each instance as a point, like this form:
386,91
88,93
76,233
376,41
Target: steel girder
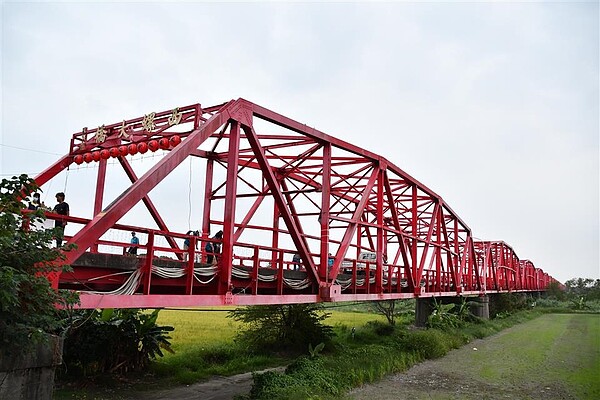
362,227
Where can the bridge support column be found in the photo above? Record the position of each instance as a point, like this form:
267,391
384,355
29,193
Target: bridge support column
481,307
423,310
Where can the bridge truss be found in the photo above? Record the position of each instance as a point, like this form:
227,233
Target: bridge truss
362,228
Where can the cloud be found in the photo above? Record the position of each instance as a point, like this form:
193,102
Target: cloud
492,105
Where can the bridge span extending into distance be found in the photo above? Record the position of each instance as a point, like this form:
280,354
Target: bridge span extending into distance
305,217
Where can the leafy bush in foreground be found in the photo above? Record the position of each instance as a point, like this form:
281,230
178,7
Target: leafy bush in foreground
114,340
27,301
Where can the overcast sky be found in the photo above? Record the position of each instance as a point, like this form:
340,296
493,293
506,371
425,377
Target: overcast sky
494,106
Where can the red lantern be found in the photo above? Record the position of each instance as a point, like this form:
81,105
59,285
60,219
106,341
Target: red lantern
175,140
87,157
142,147
153,145
104,154
114,152
123,151
96,155
163,143
132,148
78,159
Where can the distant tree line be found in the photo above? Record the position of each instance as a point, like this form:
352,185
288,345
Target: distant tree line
576,288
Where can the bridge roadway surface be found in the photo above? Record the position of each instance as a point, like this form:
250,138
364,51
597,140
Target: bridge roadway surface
278,190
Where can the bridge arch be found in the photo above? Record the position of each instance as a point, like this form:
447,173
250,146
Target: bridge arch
279,190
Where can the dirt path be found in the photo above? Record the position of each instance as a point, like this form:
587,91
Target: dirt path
219,388
534,360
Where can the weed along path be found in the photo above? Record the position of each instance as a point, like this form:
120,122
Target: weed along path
556,356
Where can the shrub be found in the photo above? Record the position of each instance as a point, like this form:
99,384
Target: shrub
507,303
428,344
442,316
114,341
381,328
282,327
302,379
27,301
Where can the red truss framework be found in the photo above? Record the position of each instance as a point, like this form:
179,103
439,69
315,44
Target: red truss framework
362,228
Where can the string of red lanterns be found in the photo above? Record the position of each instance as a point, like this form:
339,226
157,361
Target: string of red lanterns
131,149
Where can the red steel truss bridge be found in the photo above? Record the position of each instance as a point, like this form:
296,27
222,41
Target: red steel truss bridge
306,217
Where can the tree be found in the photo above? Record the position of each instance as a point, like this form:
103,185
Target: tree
587,288
386,308
283,327
28,309
554,291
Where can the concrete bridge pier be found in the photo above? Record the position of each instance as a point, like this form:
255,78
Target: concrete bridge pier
423,309
481,307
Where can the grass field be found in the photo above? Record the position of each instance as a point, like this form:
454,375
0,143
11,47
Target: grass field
555,349
210,327
555,356
204,346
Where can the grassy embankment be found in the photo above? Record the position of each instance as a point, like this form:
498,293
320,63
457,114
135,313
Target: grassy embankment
204,345
561,349
555,356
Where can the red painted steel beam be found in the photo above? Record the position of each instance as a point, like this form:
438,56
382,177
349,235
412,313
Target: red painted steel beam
118,208
351,229
149,204
229,210
167,300
269,176
53,170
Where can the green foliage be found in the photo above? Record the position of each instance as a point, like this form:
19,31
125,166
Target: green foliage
114,340
579,304
554,291
362,360
27,301
442,316
394,309
299,381
429,343
314,352
381,328
583,287
282,327
507,303
224,359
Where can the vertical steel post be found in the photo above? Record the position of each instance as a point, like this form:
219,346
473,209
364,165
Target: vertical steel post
207,198
229,211
148,262
379,217
275,236
415,234
99,196
324,218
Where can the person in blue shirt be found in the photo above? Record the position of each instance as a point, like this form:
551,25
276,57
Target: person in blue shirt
186,244
134,244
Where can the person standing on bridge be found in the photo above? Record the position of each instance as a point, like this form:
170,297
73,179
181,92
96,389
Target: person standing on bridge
213,248
186,244
135,241
62,208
